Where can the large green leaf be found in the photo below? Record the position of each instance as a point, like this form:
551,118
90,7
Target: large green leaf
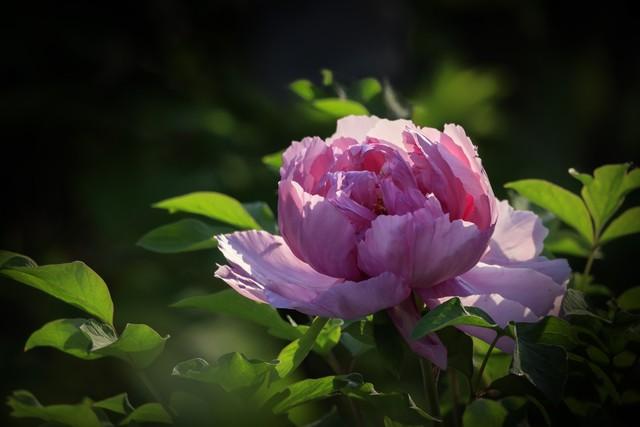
484,413
138,344
562,203
185,235
74,283
25,405
451,313
213,205
64,335
545,366
148,413
567,242
293,354
230,303
603,195
627,223
12,259
338,107
631,181
232,371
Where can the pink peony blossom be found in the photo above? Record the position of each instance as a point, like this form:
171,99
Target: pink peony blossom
384,208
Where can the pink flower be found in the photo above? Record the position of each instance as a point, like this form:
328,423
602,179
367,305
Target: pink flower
384,208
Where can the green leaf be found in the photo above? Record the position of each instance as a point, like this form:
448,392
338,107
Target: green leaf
388,343
603,195
231,303
185,235
631,181
399,407
337,107
451,313
550,330
119,404
273,161
303,88
329,336
462,344
327,76
25,405
544,366
148,413
575,304
74,283
584,178
627,223
212,205
368,88
313,389
12,259
232,371
139,344
262,213
357,337
64,335
630,299
484,412
562,203
293,354
567,242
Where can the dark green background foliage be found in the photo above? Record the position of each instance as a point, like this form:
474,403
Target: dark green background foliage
109,108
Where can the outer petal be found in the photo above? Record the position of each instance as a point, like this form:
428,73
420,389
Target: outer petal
263,268
317,232
405,316
518,236
355,127
307,162
420,247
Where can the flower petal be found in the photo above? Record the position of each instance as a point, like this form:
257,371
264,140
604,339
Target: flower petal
317,232
263,268
405,316
420,247
307,163
518,236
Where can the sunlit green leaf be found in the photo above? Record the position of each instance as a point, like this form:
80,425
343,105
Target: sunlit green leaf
562,203
273,161
327,76
212,205
74,283
584,178
627,223
483,413
262,213
368,88
630,299
232,371
119,404
184,235
328,337
64,335
23,404
12,259
631,181
148,413
338,107
603,195
293,354
230,303
451,313
567,242
303,88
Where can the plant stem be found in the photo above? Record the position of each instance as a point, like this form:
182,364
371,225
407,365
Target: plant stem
592,255
430,387
455,396
484,363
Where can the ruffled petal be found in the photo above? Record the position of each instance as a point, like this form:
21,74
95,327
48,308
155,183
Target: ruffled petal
518,236
317,232
307,162
263,268
422,248
405,316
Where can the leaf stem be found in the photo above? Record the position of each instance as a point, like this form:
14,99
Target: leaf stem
429,382
592,255
485,360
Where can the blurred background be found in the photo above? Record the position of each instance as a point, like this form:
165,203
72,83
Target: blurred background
107,108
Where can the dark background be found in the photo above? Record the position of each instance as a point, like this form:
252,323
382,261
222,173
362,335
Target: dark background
107,108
